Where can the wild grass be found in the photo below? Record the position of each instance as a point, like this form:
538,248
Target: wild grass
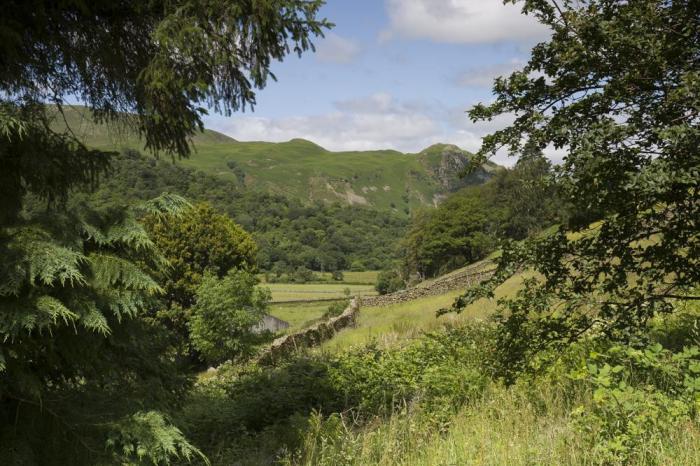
523,426
301,314
388,324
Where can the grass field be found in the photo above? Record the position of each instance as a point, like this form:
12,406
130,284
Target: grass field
367,277
300,315
286,292
406,320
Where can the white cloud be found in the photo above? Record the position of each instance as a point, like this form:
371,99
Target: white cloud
336,49
377,121
484,76
461,21
373,122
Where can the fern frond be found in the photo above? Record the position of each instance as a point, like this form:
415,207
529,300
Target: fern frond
54,310
167,204
146,437
130,233
93,233
33,315
110,271
124,303
94,320
52,264
13,277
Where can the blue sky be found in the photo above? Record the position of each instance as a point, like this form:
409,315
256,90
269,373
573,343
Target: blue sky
396,74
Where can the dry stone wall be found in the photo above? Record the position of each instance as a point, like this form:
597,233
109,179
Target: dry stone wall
470,277
310,337
322,331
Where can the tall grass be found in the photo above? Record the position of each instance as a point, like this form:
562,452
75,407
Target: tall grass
508,426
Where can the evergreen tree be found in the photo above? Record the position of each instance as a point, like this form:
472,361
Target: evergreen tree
80,372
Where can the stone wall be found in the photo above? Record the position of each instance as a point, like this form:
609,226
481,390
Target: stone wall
311,336
469,277
322,331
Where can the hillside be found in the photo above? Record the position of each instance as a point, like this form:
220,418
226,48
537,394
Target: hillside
300,169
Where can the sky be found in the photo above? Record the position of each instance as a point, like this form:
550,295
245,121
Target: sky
392,74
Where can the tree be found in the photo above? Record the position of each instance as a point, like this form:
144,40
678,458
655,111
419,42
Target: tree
76,360
527,198
461,230
226,311
616,86
200,242
389,281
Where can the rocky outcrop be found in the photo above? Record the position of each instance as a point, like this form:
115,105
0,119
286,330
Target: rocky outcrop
446,163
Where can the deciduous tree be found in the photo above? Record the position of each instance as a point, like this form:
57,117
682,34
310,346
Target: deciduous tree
617,88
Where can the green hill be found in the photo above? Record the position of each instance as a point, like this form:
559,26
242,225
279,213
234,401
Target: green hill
384,179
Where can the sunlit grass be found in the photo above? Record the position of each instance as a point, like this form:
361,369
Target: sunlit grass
285,292
301,314
507,426
406,320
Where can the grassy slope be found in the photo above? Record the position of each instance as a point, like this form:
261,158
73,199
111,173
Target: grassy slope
384,179
389,324
519,425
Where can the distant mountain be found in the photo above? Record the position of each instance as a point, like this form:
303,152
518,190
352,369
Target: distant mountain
384,179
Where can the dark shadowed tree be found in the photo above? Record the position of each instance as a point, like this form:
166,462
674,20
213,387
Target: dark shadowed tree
80,373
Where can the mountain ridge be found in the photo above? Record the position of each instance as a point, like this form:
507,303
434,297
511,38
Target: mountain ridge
302,169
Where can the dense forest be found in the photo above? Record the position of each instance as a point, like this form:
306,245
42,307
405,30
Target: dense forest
131,308
290,235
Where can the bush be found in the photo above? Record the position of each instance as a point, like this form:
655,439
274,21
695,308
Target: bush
303,275
221,326
336,309
638,395
389,281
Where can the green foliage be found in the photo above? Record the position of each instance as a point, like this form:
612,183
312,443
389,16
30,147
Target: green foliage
615,86
226,310
514,204
203,240
146,438
72,340
457,233
442,369
335,309
290,234
389,281
638,395
384,180
172,58
75,355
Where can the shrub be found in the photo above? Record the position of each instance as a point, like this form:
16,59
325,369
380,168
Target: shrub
638,395
224,315
336,309
389,281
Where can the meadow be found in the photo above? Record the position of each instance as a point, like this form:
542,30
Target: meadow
287,292
389,324
300,314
